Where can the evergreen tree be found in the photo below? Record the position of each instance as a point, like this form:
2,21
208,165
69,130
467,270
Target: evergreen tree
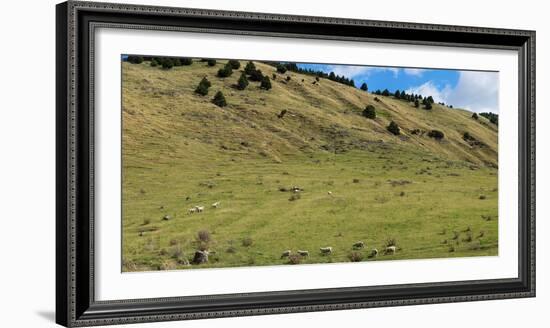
135,59
256,75
281,68
243,82
154,62
428,105
202,88
249,68
386,93
364,87
186,61
369,112
219,99
226,71
167,63
416,103
397,94
211,62
266,83
394,128
235,64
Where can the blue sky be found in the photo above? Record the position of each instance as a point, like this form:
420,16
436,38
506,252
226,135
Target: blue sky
473,90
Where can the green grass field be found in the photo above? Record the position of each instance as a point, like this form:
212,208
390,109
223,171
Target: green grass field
436,199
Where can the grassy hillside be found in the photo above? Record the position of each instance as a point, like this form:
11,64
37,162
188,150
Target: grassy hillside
180,151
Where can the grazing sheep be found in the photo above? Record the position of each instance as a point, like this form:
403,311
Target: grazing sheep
200,257
216,204
390,250
192,210
286,253
199,208
373,253
303,253
359,245
330,193
326,250
167,217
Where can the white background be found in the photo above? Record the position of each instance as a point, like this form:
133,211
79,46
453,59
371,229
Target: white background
27,180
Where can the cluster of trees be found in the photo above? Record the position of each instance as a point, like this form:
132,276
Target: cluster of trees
256,75
293,67
226,70
492,117
427,102
202,89
135,59
169,62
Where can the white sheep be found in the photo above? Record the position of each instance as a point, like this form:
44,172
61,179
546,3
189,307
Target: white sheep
373,253
199,208
326,250
390,249
303,253
192,210
216,204
330,193
286,253
359,245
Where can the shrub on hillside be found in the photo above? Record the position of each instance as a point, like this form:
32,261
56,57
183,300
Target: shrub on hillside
355,256
176,62
242,83
369,112
288,78
364,87
249,68
135,59
235,64
167,63
202,88
219,99
154,62
281,68
436,134
211,62
186,61
256,75
394,128
475,116
416,103
225,71
266,83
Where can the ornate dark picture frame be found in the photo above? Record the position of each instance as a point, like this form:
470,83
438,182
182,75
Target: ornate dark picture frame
75,302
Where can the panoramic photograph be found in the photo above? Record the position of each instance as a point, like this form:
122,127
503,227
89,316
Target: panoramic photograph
242,162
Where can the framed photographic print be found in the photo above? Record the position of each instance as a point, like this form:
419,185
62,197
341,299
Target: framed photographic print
215,164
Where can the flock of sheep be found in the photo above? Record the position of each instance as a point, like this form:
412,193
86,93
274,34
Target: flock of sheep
323,250
328,250
200,209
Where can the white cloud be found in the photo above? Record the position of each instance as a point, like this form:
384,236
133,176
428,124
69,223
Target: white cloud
475,91
430,89
355,71
413,71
